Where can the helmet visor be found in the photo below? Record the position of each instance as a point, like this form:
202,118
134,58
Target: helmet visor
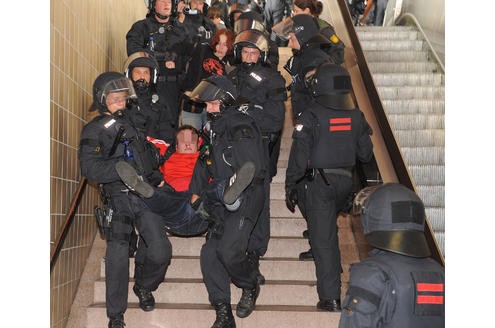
248,24
283,28
252,38
119,85
207,91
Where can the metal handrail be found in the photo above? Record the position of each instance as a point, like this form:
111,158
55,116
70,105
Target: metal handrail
393,149
408,19
68,221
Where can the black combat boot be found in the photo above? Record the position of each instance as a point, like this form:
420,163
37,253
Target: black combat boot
116,321
254,259
329,305
146,299
224,319
306,256
247,302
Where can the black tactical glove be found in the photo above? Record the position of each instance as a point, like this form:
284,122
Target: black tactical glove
155,178
291,198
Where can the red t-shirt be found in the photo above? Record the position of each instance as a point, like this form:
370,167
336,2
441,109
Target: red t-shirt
178,168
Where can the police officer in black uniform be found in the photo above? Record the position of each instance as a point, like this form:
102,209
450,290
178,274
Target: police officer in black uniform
264,87
305,39
254,20
107,139
142,69
235,140
306,42
398,285
327,139
162,33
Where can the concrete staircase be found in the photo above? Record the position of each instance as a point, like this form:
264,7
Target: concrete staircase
289,297
411,89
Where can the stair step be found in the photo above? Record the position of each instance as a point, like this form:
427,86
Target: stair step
411,92
432,196
279,247
440,238
368,35
423,155
392,45
413,106
384,28
407,79
416,121
189,315
272,269
402,67
194,291
373,56
420,138
436,217
428,174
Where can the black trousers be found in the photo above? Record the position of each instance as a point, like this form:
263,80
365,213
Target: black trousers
323,203
258,243
152,257
223,256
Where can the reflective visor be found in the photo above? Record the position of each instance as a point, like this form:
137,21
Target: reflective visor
119,85
283,28
247,24
207,91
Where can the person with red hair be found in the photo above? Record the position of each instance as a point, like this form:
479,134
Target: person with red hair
208,59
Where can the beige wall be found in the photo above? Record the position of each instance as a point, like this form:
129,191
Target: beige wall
87,37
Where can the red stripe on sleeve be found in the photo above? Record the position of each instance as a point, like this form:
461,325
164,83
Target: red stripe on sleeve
340,128
340,120
427,299
424,287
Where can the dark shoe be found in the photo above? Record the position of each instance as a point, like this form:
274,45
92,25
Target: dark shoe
224,319
116,322
239,182
306,234
254,259
146,299
306,256
247,302
329,305
133,180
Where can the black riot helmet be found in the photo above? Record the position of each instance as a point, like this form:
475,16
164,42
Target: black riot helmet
305,27
141,59
393,219
330,85
107,83
251,39
242,7
216,87
249,20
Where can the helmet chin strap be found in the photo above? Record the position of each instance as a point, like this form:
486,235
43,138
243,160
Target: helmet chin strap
119,113
162,16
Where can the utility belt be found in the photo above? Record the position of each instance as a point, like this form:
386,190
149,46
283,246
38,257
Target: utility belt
104,215
312,172
168,78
